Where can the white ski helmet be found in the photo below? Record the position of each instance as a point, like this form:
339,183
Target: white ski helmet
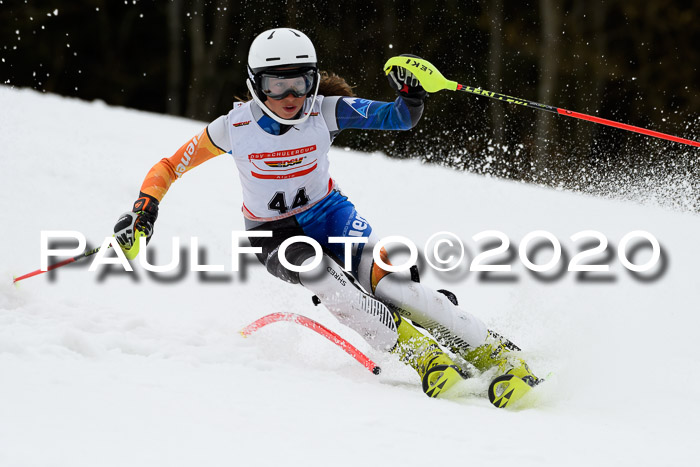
283,53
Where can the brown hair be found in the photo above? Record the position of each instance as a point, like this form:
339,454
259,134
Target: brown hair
334,85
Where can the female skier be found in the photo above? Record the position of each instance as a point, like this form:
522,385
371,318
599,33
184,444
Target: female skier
280,141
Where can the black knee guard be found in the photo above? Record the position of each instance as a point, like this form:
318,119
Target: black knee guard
295,254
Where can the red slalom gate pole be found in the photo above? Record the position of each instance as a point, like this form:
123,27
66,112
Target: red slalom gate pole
320,329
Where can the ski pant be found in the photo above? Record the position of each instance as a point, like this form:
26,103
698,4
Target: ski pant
336,216
333,216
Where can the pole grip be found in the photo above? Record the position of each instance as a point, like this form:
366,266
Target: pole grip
429,76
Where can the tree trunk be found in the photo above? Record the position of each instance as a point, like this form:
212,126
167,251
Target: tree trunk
197,52
600,73
495,60
549,68
174,79
212,78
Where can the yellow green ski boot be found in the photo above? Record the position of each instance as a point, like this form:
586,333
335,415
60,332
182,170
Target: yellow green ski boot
437,370
512,386
496,352
514,378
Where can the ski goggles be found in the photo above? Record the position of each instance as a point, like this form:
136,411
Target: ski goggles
279,84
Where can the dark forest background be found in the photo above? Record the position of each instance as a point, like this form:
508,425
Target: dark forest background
631,61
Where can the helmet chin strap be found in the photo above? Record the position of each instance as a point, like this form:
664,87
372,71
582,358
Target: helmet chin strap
277,118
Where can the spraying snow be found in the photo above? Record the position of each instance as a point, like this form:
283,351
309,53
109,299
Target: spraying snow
129,368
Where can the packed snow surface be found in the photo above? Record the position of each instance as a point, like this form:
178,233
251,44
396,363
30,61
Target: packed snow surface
128,369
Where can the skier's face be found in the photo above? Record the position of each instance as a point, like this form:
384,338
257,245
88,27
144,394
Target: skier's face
287,107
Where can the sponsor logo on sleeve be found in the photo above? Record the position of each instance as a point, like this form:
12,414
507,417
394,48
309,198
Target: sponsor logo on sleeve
187,157
361,106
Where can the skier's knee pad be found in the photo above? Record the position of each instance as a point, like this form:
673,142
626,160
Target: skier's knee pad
296,253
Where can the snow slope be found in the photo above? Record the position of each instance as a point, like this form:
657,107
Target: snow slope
126,370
